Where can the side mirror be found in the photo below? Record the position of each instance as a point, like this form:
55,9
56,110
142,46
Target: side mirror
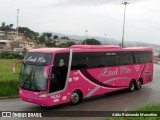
47,71
14,65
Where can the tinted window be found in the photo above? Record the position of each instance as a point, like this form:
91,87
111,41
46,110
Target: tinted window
79,60
142,56
93,60
59,72
105,59
61,60
125,58
111,59
96,60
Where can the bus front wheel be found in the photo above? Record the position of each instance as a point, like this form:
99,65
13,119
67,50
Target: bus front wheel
76,97
132,86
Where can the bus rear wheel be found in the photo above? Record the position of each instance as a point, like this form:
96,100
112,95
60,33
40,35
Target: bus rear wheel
139,85
132,86
76,97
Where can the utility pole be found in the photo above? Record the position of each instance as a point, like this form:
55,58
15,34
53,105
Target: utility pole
124,3
104,39
86,37
17,24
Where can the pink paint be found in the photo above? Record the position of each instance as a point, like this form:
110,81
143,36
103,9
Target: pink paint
106,79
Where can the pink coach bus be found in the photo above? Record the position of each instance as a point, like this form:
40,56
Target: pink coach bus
52,76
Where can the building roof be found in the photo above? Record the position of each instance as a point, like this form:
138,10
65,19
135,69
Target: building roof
4,41
15,45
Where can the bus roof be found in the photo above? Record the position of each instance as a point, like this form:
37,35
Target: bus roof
91,48
95,46
47,50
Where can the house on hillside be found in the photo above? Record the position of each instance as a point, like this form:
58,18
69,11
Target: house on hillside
5,44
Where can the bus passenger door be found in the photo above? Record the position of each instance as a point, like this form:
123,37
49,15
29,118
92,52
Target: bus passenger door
59,72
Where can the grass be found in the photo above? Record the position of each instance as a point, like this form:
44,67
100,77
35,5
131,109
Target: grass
148,108
8,81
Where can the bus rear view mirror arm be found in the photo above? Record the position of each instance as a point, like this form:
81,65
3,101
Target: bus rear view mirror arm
14,65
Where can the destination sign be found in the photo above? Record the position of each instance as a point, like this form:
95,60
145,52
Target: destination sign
38,58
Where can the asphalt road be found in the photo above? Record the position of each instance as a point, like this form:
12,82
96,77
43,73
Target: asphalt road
117,101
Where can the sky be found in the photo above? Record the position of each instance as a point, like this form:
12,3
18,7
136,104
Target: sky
98,17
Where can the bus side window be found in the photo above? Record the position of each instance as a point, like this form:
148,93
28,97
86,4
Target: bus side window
79,61
149,56
96,60
125,58
130,58
110,60
142,57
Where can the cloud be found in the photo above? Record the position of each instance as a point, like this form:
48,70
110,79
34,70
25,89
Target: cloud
72,3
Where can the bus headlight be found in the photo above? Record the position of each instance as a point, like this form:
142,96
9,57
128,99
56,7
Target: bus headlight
20,92
42,95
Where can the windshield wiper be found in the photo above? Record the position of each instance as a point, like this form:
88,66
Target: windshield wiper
26,80
28,77
33,80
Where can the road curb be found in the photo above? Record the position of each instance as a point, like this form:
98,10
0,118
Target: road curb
9,97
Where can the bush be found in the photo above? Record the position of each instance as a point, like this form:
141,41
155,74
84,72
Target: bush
49,44
11,55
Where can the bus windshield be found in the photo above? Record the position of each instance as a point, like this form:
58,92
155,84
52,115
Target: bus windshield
32,74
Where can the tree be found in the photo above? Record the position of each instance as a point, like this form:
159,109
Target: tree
10,26
91,42
50,44
6,28
45,38
3,26
48,35
41,39
28,33
55,36
65,38
68,44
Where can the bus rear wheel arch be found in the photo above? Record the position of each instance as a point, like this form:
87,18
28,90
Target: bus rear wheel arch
139,84
76,97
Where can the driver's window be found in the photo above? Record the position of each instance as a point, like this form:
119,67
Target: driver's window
59,72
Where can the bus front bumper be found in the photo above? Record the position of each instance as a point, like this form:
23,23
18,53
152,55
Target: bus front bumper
33,97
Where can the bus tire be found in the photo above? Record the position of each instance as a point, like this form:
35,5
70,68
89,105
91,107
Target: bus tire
132,86
139,85
76,97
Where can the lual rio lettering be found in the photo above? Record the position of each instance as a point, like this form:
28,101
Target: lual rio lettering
39,59
123,70
30,59
106,72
